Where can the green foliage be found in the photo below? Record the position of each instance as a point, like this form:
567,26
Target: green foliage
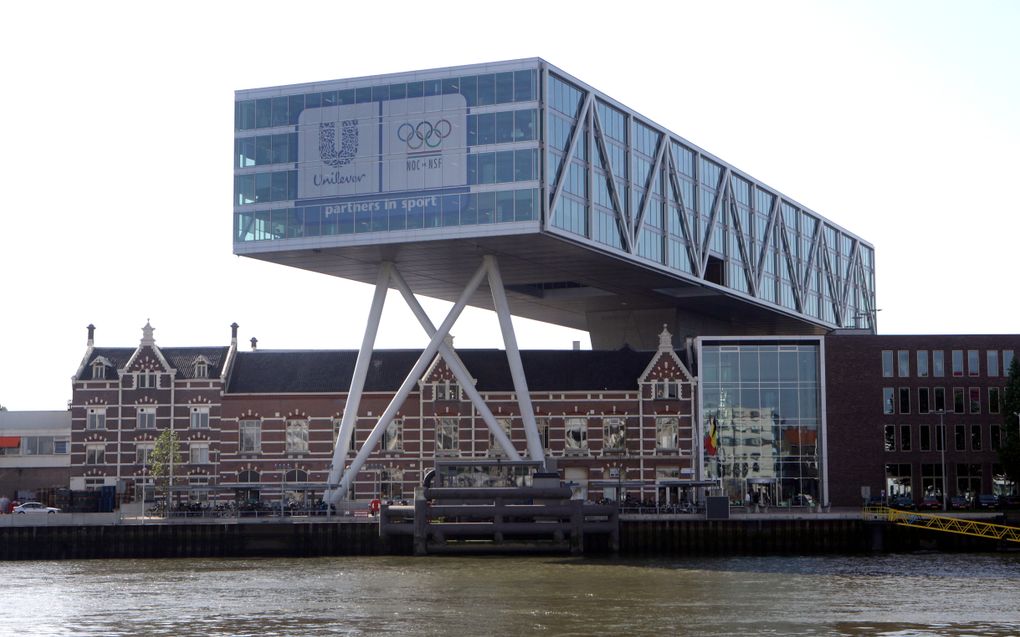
1009,452
166,454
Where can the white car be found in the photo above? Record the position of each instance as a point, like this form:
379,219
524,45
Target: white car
35,507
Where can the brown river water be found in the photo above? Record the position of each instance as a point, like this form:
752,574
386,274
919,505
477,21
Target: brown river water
916,594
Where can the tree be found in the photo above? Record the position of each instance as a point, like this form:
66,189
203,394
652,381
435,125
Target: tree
166,454
1009,452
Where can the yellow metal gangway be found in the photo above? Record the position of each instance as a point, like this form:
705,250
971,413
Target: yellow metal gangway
947,524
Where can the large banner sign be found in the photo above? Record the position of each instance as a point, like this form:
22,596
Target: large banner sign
380,147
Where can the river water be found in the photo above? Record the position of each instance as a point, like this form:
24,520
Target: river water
916,594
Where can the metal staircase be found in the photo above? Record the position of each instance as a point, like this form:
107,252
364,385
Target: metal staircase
944,523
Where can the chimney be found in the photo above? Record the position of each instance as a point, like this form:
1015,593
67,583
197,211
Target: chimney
92,333
254,343
576,345
233,334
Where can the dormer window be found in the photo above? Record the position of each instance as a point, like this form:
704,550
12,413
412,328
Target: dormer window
98,370
201,368
147,380
667,389
447,390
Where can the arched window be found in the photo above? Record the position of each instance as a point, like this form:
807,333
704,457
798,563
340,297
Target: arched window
246,477
297,475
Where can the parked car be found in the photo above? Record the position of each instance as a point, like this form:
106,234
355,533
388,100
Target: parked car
35,507
987,501
931,503
958,502
902,502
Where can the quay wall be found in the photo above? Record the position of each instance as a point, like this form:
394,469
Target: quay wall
661,536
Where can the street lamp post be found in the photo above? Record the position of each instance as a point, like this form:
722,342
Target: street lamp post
942,430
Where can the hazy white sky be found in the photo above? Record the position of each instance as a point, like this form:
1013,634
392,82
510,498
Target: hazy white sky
897,120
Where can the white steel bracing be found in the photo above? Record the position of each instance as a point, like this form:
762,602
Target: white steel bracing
343,477
825,271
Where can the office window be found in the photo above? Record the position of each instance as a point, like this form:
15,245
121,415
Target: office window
615,435
903,363
905,441
199,453
199,417
974,400
147,380
447,436
922,363
888,400
958,400
95,454
250,436
923,400
938,363
142,453
957,362
904,400
576,435
393,436
890,437
940,399
973,362
297,436
447,390
1007,361
993,400
666,389
494,448
61,446
992,362
924,437
145,418
995,437
887,363
975,437
666,432
96,418
960,437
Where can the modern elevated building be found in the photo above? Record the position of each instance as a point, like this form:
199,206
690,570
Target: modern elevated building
577,210
602,220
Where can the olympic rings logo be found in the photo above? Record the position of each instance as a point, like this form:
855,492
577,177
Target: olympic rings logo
424,133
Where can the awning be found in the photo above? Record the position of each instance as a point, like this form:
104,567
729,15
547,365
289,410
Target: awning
10,442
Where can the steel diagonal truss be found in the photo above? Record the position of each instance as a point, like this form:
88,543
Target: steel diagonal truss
960,526
794,236
343,478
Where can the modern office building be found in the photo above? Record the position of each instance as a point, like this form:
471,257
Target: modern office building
602,220
576,209
34,452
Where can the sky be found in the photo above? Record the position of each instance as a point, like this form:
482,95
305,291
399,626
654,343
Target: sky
896,120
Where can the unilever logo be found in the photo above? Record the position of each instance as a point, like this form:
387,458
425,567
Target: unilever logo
424,133
328,151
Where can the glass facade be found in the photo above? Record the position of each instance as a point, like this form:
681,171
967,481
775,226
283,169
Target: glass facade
381,156
761,419
524,143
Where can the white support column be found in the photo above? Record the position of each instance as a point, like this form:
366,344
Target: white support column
459,371
513,357
350,417
407,385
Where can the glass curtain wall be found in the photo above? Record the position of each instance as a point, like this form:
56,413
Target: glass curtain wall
761,421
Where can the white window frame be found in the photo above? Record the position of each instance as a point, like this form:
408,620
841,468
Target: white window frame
297,435
494,449
202,450
95,455
661,425
447,429
254,429
147,379
98,370
143,451
199,418
96,418
393,437
577,443
614,435
145,418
